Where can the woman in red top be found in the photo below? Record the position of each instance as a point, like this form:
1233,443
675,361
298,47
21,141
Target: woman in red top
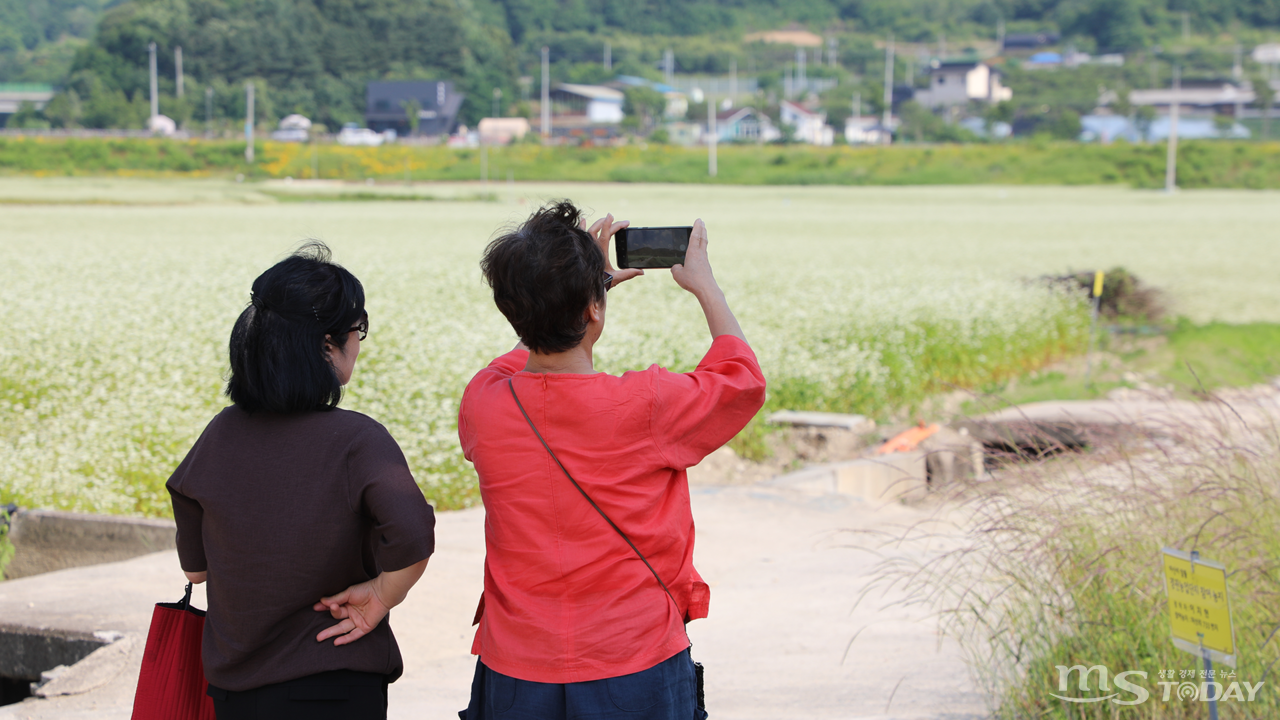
573,623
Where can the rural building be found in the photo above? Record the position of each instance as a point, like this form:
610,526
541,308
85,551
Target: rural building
589,104
677,101
958,82
12,95
1028,41
501,131
387,105
866,130
1109,128
792,36
1220,96
745,124
810,126
684,133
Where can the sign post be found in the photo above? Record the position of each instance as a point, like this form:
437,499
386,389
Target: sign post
1200,611
1093,327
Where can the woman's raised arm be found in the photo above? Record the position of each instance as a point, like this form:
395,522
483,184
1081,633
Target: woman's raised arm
695,276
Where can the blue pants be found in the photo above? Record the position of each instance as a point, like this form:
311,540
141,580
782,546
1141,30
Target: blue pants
665,691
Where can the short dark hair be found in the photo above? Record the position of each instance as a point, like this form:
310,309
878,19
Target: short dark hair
278,360
544,274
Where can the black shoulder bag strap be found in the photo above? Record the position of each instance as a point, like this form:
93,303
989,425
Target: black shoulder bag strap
697,666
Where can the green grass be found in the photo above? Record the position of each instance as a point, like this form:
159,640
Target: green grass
1186,359
1202,164
1101,567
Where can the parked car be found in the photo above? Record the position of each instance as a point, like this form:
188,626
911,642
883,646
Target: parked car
353,134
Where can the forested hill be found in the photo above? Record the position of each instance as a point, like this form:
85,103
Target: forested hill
315,56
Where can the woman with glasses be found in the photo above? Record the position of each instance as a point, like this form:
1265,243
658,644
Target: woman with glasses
286,500
589,576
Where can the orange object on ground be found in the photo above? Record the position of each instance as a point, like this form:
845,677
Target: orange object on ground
908,440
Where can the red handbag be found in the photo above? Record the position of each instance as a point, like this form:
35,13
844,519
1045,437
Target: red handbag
171,684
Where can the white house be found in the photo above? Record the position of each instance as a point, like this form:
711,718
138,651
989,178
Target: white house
958,82
811,127
867,130
745,124
594,103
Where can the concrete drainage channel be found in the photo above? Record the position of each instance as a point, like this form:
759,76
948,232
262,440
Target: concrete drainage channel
36,662
41,661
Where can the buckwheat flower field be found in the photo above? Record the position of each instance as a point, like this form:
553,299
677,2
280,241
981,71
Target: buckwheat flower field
119,296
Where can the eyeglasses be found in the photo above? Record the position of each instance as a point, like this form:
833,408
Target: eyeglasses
608,282
361,327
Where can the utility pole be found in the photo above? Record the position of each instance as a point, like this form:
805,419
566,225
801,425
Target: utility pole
1000,34
888,89
733,79
177,63
155,90
668,66
208,112
1237,74
831,51
497,102
802,81
857,106
1171,162
546,93
248,122
712,136
608,56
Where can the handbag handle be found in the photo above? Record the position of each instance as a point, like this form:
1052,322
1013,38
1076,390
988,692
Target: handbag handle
616,529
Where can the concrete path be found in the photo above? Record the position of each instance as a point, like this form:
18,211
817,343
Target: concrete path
784,583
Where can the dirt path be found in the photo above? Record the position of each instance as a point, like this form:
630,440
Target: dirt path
784,582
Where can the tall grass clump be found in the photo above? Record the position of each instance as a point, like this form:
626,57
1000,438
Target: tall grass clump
1056,561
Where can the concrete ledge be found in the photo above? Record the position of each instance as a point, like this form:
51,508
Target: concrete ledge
48,540
26,652
852,423
877,480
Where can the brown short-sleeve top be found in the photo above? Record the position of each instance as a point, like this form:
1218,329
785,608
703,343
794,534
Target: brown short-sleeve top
282,510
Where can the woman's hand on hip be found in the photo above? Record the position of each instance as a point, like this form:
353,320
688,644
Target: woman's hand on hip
602,231
362,606
360,610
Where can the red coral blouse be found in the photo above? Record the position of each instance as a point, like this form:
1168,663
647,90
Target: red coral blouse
565,599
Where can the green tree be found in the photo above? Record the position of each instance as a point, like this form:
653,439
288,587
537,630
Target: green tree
1065,125
644,104
1001,112
27,118
63,110
411,109
1266,97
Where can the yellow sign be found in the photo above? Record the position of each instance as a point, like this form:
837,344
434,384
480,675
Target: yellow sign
1097,284
1199,609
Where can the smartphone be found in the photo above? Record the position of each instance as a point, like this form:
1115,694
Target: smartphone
654,247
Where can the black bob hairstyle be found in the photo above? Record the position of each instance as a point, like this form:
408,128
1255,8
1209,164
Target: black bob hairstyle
544,274
278,359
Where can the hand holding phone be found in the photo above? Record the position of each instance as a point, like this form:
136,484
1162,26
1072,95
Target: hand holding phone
600,232
653,247
693,273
